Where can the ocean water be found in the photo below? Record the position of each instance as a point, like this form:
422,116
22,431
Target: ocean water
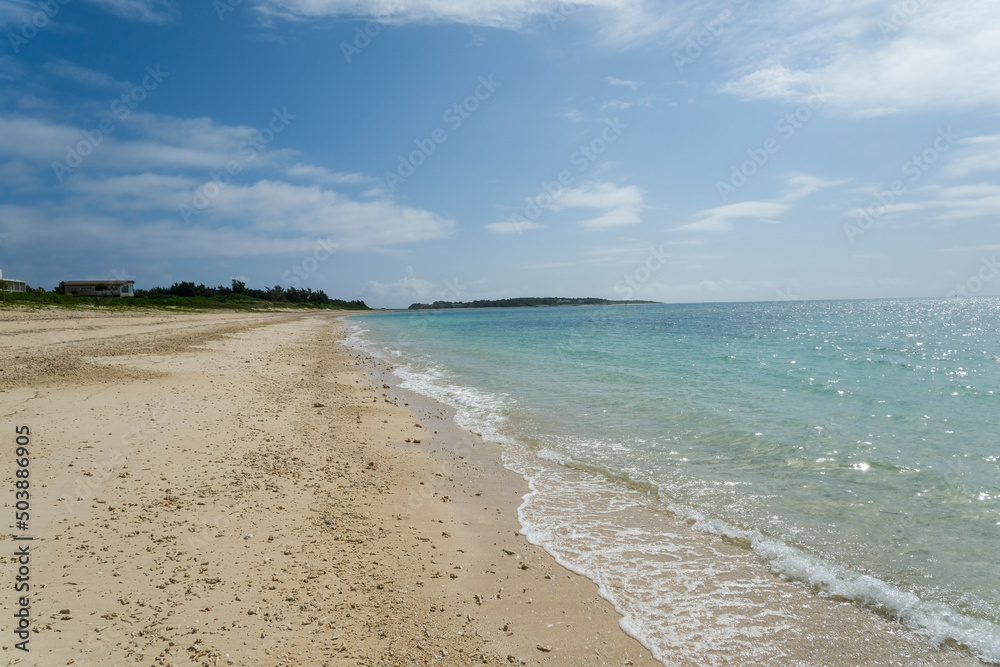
849,446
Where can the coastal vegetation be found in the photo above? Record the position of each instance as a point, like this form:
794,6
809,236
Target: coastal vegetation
188,295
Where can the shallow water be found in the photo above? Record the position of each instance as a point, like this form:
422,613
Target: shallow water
846,445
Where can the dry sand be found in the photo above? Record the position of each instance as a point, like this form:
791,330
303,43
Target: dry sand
236,489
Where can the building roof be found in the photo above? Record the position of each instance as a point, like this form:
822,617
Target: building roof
81,283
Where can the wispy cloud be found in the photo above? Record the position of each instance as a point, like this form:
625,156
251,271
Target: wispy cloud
720,219
131,186
975,154
325,176
407,288
618,24
945,204
622,82
618,205
966,202
15,12
265,218
870,61
162,142
617,105
67,70
510,14
514,227
574,115
146,11
797,186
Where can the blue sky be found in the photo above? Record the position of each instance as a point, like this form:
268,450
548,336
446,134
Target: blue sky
416,150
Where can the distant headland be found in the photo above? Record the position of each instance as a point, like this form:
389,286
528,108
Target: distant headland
522,302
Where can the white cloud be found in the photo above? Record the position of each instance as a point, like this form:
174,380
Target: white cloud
147,11
19,176
407,288
514,227
35,140
890,209
709,288
620,206
266,218
797,186
161,238
88,77
720,219
144,191
617,105
277,208
618,217
194,142
871,61
771,83
14,13
325,176
975,154
146,179
574,115
966,202
619,24
164,142
622,82
510,14
801,185
627,24
608,205
947,204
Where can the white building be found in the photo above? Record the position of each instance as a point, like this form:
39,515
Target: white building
114,288
14,285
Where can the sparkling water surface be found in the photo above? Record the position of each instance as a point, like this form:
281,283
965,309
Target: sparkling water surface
851,444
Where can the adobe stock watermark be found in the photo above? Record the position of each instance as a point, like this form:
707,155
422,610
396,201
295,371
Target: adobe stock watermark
786,127
559,15
121,108
452,290
248,150
323,249
47,10
551,191
454,116
223,7
988,270
630,282
902,12
785,294
363,37
702,39
915,168
121,275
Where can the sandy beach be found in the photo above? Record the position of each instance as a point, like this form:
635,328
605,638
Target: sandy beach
239,489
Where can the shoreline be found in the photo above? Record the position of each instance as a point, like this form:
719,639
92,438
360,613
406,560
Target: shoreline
822,629
232,489
456,447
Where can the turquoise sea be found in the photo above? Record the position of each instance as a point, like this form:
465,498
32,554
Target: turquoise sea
850,446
